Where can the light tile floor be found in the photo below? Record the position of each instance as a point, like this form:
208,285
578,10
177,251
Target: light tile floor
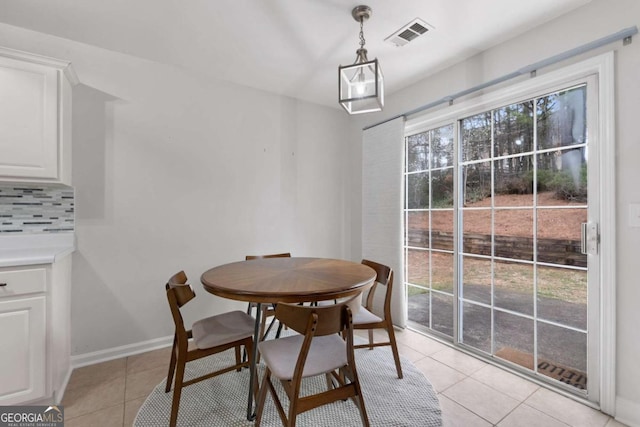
471,392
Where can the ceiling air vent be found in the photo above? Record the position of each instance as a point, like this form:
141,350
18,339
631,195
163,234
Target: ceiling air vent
409,32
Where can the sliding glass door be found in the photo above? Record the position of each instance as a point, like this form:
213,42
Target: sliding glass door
501,253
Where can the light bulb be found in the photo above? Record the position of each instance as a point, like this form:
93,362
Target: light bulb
360,85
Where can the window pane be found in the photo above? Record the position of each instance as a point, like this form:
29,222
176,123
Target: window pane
513,180
559,236
442,313
442,230
562,296
514,339
418,152
476,326
476,226
442,271
562,118
513,229
418,191
513,286
442,188
442,147
418,305
476,280
476,183
562,354
418,267
513,129
476,137
562,177
417,229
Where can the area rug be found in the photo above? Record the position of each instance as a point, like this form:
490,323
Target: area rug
222,400
567,375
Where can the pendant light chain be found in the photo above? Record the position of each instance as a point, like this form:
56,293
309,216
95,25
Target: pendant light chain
361,33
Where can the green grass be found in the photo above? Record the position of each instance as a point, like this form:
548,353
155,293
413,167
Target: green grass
552,282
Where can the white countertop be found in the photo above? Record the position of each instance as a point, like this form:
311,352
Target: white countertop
37,248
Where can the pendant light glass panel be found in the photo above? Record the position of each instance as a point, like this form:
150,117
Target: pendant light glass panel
361,87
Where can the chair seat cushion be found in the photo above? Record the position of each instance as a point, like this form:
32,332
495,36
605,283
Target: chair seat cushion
327,353
362,316
222,329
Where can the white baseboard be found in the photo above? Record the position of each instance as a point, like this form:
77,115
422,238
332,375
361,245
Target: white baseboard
80,360
627,412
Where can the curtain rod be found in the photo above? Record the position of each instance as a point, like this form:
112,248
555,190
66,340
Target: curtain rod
620,35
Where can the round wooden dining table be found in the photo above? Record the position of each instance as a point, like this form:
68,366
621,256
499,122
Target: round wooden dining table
290,280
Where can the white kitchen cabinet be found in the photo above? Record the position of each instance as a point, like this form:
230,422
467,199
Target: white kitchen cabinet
22,356
35,118
34,320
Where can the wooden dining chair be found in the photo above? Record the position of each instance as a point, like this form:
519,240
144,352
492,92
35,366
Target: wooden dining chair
210,335
267,310
363,318
318,350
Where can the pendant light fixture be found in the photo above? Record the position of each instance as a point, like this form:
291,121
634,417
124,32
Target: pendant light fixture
361,85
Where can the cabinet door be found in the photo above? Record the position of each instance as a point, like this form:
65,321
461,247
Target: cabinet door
29,133
22,353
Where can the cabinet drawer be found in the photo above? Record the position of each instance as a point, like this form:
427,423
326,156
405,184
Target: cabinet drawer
23,281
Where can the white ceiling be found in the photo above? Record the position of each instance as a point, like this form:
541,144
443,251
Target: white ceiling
289,47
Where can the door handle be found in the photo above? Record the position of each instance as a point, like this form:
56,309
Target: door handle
589,238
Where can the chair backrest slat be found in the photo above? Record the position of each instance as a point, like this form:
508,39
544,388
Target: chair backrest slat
331,318
384,276
182,291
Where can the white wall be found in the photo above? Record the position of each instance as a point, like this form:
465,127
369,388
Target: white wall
174,171
598,19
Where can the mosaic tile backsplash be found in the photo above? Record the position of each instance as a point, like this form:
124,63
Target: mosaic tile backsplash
36,208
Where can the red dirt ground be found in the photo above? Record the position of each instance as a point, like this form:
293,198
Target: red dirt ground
559,223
